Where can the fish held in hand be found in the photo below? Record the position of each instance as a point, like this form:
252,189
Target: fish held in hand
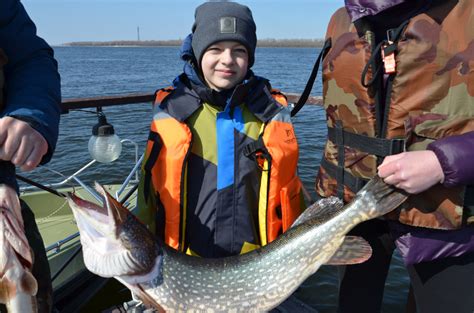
117,245
18,287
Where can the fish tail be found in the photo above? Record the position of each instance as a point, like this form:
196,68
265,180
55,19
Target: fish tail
387,197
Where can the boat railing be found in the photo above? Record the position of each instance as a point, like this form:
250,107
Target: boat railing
131,178
58,244
136,98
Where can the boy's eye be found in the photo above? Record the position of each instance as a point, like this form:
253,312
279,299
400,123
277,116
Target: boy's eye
240,50
214,49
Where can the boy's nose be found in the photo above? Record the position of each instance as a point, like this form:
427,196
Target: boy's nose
227,57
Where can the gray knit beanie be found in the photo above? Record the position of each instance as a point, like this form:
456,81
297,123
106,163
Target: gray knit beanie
218,21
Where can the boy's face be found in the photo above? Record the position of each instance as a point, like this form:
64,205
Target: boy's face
224,64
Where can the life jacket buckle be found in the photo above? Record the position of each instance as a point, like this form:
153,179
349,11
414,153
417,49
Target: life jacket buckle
397,146
258,153
249,149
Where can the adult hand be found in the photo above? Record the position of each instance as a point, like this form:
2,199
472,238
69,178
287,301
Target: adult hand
21,144
413,171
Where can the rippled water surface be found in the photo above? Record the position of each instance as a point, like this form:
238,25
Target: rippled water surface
88,72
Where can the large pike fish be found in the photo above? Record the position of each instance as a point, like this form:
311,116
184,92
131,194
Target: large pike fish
116,244
17,285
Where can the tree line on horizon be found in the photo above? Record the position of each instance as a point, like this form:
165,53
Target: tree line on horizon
309,43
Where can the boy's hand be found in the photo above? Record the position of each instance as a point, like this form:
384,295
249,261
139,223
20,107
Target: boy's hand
21,144
9,201
413,171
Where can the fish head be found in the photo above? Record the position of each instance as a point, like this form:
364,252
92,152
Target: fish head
114,242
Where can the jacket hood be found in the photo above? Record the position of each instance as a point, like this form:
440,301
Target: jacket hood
187,55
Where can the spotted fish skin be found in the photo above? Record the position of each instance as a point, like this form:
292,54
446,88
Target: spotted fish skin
259,280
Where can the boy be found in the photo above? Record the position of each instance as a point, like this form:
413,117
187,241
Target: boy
219,177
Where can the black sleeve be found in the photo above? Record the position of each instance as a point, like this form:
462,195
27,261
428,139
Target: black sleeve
7,174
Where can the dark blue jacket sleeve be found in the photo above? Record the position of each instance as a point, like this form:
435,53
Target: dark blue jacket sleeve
456,155
32,82
7,174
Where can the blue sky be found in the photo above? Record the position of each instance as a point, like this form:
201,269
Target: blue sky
61,21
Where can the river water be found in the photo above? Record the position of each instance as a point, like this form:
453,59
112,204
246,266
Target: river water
101,71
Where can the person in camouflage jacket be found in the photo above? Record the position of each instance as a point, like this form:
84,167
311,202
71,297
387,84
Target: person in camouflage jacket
406,114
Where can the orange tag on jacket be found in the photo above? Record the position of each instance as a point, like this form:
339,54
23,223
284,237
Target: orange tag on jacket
389,63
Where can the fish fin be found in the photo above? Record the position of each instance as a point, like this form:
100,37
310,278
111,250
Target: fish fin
320,210
16,237
147,300
387,197
353,250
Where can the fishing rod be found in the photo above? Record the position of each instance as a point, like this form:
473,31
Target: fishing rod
40,186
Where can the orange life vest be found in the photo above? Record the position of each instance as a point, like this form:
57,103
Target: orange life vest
164,171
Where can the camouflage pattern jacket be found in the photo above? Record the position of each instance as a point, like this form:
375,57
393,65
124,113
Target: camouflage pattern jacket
427,102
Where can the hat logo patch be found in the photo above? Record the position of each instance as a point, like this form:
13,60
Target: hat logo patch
228,25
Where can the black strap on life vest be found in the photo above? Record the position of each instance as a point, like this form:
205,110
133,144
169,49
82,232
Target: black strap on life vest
309,85
377,146
150,162
353,183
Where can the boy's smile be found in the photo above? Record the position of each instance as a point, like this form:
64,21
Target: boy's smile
224,64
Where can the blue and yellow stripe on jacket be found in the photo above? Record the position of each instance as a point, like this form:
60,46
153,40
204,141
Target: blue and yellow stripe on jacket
208,197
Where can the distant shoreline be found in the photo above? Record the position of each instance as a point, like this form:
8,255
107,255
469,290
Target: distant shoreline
270,43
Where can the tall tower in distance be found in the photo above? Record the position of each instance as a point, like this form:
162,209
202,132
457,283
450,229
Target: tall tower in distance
138,33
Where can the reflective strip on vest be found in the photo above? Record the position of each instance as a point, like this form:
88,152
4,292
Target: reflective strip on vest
263,204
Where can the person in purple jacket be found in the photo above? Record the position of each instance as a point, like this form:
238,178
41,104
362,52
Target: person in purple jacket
399,95
30,100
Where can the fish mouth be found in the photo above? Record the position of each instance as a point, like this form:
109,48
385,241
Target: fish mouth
97,220
90,210
96,226
92,220
102,235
